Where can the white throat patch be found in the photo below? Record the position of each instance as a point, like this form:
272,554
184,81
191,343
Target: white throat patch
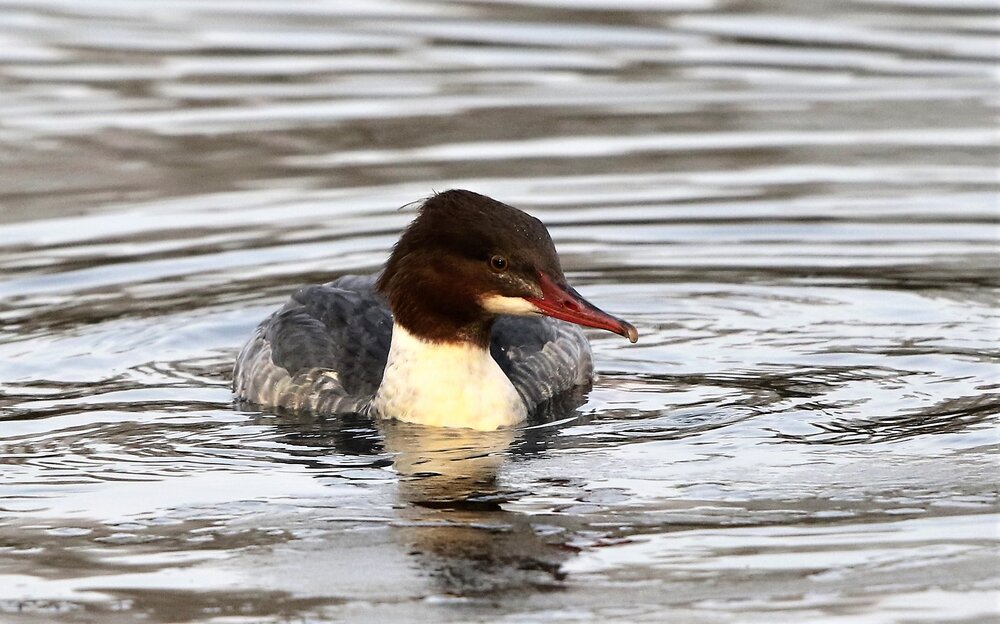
445,384
498,304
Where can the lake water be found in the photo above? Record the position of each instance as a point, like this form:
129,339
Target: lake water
795,203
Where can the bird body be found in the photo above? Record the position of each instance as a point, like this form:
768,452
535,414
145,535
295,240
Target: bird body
459,330
446,384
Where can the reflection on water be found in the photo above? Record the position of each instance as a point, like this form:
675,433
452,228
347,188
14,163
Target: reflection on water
438,465
453,521
795,202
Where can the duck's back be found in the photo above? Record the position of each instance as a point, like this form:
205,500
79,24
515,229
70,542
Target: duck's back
326,349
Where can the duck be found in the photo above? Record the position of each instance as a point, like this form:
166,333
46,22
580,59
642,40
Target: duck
470,324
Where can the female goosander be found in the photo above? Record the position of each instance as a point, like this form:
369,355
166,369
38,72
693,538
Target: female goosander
459,329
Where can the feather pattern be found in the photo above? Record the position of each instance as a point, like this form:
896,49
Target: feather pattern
325,351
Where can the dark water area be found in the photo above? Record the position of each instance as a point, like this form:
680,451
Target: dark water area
795,203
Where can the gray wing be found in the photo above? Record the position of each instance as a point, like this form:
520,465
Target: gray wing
324,351
541,356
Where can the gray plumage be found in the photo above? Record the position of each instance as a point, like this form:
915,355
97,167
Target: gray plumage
324,352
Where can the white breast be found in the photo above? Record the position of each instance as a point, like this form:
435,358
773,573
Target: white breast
445,385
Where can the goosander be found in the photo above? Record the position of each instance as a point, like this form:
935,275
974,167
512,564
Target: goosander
464,327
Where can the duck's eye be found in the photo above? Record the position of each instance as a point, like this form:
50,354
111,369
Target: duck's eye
498,264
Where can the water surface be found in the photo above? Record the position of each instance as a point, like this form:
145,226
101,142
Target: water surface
796,203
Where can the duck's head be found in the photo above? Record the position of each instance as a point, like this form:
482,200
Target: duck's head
467,258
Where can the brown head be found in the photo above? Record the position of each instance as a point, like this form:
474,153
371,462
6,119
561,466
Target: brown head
467,258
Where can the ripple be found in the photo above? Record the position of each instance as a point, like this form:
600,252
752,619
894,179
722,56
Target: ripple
795,204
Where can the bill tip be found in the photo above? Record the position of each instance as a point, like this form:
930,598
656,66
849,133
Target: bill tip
631,332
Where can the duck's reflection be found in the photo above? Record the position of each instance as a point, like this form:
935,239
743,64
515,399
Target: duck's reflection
450,515
452,519
442,467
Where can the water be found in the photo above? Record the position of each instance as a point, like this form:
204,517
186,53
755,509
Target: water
796,203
